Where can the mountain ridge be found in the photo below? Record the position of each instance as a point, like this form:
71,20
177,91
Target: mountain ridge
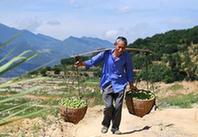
50,49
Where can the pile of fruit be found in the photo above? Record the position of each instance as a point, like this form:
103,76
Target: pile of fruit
72,102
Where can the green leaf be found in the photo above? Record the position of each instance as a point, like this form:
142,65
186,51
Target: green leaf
16,61
14,114
12,108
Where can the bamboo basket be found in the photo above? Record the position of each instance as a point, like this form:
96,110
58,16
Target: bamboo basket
72,115
139,107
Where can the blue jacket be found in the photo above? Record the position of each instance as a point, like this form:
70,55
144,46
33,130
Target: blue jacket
118,71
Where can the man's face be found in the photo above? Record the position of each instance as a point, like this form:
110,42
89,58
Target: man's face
120,47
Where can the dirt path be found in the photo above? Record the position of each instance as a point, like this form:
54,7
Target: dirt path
161,123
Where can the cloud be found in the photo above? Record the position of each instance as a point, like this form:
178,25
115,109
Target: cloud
31,24
125,9
143,30
75,4
53,22
111,34
56,31
177,21
138,30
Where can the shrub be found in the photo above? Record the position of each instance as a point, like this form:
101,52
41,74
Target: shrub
157,72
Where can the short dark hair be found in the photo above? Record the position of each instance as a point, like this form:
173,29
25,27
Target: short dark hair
122,39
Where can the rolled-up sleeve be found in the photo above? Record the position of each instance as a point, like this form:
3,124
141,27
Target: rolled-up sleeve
94,60
129,68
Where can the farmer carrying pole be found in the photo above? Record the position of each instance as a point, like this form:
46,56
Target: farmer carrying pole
117,72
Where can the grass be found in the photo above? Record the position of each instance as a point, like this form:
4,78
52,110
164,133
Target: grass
17,105
176,87
17,108
183,101
93,79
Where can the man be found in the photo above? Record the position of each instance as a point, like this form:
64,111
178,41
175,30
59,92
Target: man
116,73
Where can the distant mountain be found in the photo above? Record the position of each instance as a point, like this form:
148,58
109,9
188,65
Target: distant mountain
50,50
84,44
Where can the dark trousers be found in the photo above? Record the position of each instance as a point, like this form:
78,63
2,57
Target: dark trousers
113,107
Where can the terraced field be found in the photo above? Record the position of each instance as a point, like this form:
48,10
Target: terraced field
33,102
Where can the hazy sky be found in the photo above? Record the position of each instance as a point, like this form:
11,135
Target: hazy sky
104,19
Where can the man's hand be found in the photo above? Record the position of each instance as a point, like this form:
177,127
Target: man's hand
132,87
79,64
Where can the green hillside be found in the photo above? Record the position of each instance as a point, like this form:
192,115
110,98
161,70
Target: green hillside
174,55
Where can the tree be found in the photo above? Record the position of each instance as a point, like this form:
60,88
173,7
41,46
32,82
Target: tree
156,72
190,62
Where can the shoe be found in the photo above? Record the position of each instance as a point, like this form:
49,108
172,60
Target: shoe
104,129
116,132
